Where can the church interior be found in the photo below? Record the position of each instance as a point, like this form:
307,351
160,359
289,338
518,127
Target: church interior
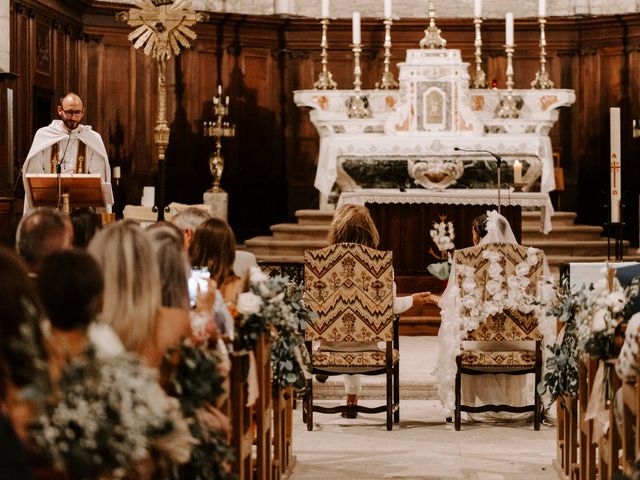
273,115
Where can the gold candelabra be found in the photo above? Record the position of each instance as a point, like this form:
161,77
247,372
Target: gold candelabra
509,105
542,79
479,77
325,79
432,37
218,129
387,82
358,104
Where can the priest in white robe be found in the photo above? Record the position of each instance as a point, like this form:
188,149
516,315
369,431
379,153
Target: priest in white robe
65,146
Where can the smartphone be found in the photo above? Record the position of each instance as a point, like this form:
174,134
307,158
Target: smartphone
198,283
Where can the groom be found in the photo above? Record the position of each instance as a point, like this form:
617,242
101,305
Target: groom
66,146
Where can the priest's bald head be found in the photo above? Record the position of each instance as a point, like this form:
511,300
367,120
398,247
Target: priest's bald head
71,110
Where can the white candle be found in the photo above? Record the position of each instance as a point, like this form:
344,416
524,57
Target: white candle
325,8
356,28
281,6
116,172
615,164
387,8
517,172
477,8
542,8
219,89
509,29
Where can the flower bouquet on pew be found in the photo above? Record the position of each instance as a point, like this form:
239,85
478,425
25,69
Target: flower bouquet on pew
442,234
274,306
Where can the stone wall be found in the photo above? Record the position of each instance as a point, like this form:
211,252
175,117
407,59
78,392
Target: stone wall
417,8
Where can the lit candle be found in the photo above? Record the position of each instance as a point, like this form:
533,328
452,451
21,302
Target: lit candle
509,29
542,8
116,173
325,8
517,172
387,8
226,100
356,28
477,8
219,90
615,164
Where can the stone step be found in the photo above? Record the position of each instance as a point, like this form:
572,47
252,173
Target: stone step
268,246
532,217
561,232
569,248
555,260
314,217
295,231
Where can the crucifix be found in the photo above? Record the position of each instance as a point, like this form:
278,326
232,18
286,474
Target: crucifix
162,28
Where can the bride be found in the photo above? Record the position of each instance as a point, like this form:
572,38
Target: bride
497,389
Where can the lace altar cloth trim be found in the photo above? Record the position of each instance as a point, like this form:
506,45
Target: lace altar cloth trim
454,197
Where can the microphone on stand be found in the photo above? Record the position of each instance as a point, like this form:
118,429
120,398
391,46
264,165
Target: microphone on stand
59,172
494,155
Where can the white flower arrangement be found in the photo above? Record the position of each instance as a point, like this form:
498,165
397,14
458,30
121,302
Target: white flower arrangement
443,234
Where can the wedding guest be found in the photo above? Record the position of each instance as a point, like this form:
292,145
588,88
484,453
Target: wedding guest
189,219
85,223
133,291
23,369
353,224
40,233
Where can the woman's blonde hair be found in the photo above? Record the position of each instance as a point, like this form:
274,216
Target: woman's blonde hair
131,282
353,224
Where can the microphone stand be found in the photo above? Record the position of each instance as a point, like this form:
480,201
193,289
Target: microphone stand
498,163
59,184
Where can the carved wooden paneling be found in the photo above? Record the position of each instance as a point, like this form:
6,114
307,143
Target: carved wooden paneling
260,61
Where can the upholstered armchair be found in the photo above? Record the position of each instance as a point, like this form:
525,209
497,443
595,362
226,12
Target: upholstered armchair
350,287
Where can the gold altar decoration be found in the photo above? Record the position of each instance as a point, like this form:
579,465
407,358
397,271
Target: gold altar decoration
542,79
218,129
325,79
387,82
162,28
432,37
479,77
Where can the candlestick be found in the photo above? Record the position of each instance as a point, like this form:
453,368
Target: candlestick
479,77
387,8
542,79
355,24
509,29
387,82
358,104
517,172
477,8
615,164
509,105
325,79
432,37
219,128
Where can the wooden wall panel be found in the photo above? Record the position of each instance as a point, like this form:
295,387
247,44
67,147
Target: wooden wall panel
260,61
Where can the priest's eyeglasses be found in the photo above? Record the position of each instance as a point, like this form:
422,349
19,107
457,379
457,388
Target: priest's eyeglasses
72,113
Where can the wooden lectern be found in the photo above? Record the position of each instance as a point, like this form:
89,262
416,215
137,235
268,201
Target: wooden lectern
82,190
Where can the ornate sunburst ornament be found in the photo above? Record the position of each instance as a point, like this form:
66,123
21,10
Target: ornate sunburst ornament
162,26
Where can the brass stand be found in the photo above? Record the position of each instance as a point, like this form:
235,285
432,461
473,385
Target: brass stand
387,82
479,77
542,79
508,105
325,79
358,104
218,129
432,37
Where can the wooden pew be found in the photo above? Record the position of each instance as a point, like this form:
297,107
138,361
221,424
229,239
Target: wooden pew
567,437
587,459
241,418
263,411
630,421
609,445
283,459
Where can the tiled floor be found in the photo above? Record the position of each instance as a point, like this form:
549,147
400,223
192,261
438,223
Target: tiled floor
424,446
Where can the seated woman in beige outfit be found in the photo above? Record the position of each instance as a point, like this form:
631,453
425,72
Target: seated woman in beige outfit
353,224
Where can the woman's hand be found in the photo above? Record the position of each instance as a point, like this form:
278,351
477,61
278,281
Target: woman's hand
424,298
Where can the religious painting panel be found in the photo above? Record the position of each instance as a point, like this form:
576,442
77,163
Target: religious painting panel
43,49
433,106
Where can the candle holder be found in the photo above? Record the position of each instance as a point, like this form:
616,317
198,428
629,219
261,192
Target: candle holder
387,82
518,186
542,79
218,129
509,105
358,104
479,77
432,37
325,79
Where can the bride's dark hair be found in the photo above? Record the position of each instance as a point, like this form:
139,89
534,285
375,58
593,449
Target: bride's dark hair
480,225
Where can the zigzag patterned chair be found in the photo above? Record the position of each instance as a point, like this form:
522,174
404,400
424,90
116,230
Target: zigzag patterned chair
516,283
350,287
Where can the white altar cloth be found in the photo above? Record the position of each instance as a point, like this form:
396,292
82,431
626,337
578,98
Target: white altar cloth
379,145
455,197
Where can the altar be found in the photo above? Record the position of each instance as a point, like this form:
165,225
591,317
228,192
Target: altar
405,219
417,133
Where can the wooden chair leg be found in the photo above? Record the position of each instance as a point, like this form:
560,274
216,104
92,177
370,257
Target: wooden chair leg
389,397
458,393
537,415
309,405
396,392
